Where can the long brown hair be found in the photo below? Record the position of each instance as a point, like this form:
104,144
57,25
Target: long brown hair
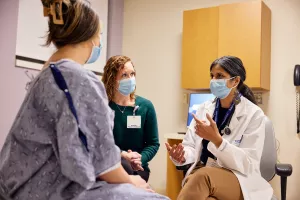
111,69
80,23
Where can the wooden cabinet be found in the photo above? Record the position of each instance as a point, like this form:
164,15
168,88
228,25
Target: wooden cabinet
174,176
240,29
199,46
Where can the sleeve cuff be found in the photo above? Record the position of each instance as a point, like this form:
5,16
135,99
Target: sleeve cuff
109,170
176,163
223,145
144,159
214,150
187,160
111,163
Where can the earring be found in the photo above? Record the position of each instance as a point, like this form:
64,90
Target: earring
235,93
237,98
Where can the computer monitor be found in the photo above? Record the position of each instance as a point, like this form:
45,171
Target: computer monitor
195,100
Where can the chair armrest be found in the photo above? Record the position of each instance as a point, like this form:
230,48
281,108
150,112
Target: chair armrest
184,167
283,170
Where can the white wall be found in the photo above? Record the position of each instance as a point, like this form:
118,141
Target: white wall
152,38
115,28
33,26
12,80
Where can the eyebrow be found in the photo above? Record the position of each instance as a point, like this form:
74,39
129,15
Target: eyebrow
218,74
129,72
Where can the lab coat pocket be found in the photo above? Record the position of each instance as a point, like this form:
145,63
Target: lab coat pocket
237,141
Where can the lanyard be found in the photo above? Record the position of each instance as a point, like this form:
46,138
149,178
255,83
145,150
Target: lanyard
228,113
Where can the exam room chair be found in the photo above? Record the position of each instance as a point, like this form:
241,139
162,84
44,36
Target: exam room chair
268,164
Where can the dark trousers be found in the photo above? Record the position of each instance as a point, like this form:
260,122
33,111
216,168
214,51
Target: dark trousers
127,166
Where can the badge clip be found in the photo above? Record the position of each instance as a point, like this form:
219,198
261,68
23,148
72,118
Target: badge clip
135,109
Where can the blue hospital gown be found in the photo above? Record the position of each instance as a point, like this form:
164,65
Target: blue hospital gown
43,156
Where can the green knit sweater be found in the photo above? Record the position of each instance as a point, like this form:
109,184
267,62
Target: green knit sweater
143,140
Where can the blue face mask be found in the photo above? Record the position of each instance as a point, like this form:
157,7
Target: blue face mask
95,54
218,87
127,86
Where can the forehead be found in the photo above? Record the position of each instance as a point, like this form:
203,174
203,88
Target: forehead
218,69
128,67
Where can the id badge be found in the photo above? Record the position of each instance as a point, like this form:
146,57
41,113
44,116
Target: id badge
134,121
212,163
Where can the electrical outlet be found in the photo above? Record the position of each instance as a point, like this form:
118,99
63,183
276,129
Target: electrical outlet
258,97
185,98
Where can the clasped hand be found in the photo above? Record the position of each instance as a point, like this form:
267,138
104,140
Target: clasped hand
135,160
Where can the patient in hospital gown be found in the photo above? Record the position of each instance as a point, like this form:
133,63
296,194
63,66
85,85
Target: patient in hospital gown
44,158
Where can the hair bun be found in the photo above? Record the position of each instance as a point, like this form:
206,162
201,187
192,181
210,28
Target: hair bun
70,22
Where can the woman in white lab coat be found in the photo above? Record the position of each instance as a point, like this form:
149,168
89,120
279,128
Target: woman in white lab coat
224,141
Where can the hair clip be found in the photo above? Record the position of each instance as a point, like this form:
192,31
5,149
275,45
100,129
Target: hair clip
54,8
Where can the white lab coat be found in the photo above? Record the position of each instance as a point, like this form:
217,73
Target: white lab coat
240,151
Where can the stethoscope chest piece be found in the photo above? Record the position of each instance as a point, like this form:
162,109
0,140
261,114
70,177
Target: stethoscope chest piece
226,131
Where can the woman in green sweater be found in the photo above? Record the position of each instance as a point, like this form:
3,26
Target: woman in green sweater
135,128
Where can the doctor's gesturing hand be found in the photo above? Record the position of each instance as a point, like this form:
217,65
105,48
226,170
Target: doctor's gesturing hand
176,152
207,131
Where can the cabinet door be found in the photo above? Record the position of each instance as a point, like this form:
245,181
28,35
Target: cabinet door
199,46
240,35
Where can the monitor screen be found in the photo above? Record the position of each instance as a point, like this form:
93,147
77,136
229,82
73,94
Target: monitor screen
195,100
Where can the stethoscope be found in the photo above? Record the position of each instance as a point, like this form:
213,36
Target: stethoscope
228,116
226,130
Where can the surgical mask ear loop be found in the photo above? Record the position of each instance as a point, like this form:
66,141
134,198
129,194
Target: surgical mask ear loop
233,86
94,45
237,98
231,79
